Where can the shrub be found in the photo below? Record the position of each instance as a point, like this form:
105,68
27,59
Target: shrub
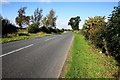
8,28
53,30
45,29
113,33
34,28
22,34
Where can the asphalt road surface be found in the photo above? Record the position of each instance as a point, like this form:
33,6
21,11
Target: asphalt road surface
41,57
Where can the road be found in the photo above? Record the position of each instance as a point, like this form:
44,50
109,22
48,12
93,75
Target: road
41,57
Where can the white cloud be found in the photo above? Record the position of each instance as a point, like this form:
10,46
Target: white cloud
4,2
62,24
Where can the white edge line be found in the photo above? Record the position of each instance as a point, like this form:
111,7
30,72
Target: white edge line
15,50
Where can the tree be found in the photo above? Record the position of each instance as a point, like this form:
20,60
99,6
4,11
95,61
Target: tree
45,22
36,21
106,35
36,18
22,19
92,25
33,28
93,29
51,19
1,25
112,31
74,22
7,27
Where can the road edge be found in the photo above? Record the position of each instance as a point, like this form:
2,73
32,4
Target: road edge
67,54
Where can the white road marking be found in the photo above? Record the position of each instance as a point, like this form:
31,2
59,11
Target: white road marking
59,35
50,38
16,50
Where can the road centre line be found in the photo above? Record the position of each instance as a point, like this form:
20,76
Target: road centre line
50,38
16,50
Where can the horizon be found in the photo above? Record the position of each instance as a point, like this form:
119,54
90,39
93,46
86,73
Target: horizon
64,10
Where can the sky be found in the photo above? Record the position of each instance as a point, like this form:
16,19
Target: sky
64,10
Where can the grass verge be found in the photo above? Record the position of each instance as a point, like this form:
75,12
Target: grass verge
85,62
22,37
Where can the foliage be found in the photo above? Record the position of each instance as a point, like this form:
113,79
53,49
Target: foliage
22,19
92,25
113,33
50,30
36,18
7,27
93,29
51,19
33,28
45,22
74,22
22,36
1,25
86,62
45,29
105,35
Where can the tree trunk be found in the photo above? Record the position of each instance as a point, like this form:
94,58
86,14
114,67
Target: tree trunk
105,46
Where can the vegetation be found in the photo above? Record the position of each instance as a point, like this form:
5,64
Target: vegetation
37,17
21,35
92,25
51,19
36,21
33,28
33,24
74,22
112,35
96,37
105,35
7,27
92,29
86,62
22,19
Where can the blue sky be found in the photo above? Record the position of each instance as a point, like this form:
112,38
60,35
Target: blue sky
64,10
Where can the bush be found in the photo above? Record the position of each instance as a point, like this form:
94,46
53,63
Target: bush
45,29
34,28
113,33
8,28
107,36
22,34
53,30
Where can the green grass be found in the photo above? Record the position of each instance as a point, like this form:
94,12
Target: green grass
23,37
86,62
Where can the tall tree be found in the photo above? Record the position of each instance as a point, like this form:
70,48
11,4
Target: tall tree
37,17
22,19
45,22
74,22
36,21
52,18
113,33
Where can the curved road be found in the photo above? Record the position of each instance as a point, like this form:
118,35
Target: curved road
41,57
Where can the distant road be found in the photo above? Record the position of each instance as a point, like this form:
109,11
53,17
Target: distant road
41,57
